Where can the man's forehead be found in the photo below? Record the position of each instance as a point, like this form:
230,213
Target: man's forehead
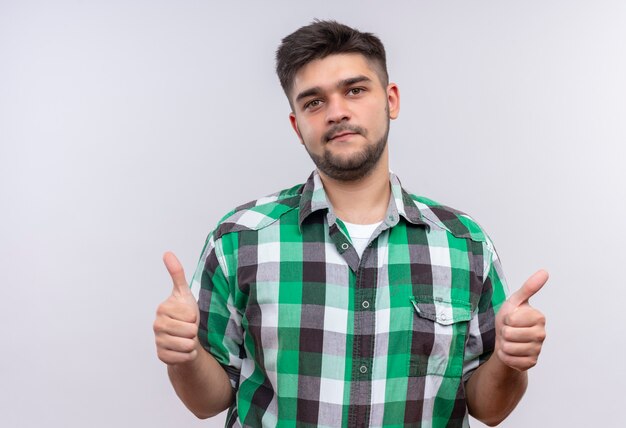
328,71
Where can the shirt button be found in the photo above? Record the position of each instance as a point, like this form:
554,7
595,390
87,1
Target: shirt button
442,317
365,304
363,369
344,246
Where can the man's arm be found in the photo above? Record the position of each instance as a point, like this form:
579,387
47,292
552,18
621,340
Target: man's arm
496,387
202,384
198,379
494,390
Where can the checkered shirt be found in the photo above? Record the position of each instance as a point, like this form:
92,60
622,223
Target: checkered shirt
312,335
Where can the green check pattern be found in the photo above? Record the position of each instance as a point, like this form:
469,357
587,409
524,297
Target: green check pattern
312,335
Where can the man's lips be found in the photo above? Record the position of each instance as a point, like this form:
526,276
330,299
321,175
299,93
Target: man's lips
342,135
343,132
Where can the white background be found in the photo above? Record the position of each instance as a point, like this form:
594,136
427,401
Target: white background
128,128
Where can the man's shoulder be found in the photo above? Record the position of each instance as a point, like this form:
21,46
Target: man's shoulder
457,222
259,213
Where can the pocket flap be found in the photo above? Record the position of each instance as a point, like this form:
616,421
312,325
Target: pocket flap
445,312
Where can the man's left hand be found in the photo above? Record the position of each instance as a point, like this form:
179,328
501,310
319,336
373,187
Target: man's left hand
520,328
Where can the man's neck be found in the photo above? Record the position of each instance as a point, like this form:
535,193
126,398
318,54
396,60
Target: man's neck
363,201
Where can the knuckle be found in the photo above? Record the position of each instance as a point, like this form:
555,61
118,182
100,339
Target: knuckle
187,345
157,326
537,316
161,343
163,356
503,330
541,336
505,358
192,355
190,331
506,320
515,318
507,347
159,310
181,357
507,332
164,309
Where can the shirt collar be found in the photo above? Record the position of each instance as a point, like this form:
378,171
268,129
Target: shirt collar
400,203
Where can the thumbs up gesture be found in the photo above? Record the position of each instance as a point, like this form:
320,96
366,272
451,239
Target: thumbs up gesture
177,318
520,328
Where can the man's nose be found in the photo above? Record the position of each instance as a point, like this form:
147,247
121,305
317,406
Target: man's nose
337,110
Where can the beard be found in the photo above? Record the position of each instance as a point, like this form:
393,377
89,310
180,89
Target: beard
356,166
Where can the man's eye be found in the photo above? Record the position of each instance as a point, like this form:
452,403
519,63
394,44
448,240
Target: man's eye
312,104
355,91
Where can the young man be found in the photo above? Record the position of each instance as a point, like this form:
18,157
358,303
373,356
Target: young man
347,301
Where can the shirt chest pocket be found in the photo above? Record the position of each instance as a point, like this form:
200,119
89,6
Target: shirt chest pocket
437,342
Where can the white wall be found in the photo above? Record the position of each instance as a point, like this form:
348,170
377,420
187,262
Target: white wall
128,128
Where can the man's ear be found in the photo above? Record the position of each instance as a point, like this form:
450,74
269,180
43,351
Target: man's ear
393,100
294,125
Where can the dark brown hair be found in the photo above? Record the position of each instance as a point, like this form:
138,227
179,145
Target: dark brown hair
320,39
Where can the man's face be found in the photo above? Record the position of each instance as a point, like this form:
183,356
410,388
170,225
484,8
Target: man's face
341,113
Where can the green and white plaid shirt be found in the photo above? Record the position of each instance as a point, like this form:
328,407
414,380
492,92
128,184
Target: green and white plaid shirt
311,335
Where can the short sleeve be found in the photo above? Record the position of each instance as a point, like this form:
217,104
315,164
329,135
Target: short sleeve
219,331
482,330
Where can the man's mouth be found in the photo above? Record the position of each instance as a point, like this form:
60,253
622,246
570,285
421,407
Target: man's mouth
342,135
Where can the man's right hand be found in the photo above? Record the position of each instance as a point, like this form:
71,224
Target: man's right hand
177,318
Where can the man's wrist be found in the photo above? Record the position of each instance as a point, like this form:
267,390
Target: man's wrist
502,372
189,365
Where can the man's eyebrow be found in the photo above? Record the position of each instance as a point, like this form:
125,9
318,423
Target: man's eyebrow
341,84
308,93
353,80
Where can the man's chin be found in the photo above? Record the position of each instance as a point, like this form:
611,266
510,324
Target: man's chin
349,163
345,171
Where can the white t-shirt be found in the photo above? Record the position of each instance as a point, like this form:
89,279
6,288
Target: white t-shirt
360,234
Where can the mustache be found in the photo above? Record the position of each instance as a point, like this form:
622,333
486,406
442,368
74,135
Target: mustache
342,127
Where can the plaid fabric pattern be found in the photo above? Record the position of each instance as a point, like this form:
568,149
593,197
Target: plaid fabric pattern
311,335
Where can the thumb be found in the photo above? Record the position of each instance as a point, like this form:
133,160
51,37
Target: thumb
177,273
530,288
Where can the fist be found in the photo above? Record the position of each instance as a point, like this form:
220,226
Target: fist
177,318
520,328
